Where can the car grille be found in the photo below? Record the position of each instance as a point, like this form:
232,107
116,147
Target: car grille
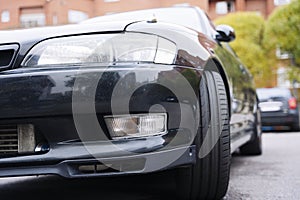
8,139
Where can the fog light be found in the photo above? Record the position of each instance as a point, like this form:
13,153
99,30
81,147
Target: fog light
141,125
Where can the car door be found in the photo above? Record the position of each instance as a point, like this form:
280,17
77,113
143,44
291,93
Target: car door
242,93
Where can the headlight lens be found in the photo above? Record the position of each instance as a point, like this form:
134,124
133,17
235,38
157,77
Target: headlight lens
102,48
141,125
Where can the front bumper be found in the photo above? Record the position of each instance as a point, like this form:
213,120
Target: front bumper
50,109
130,164
105,158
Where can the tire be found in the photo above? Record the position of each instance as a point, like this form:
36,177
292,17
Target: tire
296,126
254,147
208,178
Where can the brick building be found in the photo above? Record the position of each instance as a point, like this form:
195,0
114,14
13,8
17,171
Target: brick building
30,13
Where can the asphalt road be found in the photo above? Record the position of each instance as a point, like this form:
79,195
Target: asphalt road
273,176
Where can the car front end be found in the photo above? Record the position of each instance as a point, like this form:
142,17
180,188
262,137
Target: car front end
98,103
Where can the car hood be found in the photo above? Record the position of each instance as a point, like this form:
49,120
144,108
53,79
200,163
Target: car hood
37,34
187,40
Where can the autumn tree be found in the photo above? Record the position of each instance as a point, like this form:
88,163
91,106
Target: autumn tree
283,32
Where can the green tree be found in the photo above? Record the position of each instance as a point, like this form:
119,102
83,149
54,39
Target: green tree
283,31
249,29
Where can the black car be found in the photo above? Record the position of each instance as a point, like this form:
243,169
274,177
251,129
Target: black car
279,109
127,96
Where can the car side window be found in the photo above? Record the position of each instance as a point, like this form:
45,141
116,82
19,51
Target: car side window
230,49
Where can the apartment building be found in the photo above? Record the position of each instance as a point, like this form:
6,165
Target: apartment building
31,13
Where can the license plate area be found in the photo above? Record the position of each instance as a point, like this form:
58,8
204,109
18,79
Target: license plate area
270,106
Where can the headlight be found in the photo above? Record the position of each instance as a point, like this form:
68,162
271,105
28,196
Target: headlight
102,48
141,125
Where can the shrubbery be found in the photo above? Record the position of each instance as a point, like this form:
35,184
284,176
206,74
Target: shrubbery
257,41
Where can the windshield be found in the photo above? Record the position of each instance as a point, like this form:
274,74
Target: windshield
182,16
271,93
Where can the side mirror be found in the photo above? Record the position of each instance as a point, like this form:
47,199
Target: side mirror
225,33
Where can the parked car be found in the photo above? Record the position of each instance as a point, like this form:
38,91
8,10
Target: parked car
122,95
279,107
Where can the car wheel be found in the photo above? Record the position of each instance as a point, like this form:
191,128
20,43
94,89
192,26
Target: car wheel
254,147
296,126
208,178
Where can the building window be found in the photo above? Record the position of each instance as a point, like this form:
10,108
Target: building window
182,5
282,78
281,2
282,55
32,17
5,16
54,19
76,16
224,7
32,20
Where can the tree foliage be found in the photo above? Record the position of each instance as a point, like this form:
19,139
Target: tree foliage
258,40
249,29
283,30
